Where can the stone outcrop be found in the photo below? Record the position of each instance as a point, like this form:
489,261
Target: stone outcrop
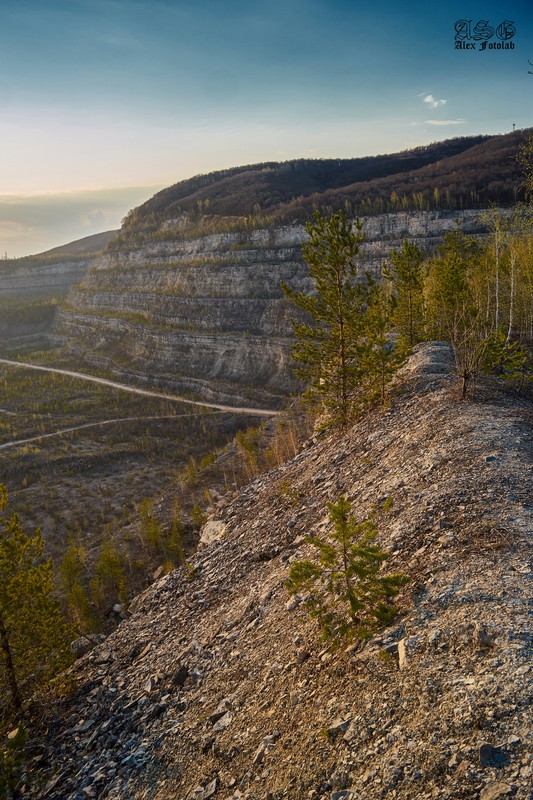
217,686
207,314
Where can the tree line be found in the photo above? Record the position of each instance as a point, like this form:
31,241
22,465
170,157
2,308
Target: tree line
354,331
465,172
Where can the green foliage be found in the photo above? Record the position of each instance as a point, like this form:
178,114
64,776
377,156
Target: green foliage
288,492
347,594
525,159
71,573
13,764
448,289
167,543
505,358
198,515
207,460
108,584
479,296
248,444
327,348
379,358
151,531
406,276
173,548
344,351
452,310
34,638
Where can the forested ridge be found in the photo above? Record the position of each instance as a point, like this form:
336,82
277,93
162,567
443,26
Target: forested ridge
464,172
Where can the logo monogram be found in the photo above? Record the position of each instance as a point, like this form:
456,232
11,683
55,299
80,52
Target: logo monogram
468,34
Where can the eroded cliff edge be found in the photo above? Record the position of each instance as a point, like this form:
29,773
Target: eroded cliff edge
206,314
218,685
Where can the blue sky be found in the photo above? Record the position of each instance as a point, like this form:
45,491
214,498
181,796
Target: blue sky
104,101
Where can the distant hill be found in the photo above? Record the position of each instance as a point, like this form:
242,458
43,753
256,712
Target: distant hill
30,288
465,172
88,246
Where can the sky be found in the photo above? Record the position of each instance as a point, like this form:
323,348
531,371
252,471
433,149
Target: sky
103,102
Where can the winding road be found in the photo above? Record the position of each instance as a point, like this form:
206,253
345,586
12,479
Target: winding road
18,442
259,412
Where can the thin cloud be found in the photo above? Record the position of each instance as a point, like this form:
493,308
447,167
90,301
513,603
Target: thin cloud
444,121
433,102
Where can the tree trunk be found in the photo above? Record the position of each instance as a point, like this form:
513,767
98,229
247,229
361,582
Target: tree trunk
466,381
16,700
511,299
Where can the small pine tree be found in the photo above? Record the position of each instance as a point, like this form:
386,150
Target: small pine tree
327,347
347,594
248,445
151,531
71,574
108,584
173,547
34,638
379,358
407,279
343,352
505,358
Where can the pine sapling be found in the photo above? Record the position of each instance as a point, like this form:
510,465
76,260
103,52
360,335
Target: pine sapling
347,593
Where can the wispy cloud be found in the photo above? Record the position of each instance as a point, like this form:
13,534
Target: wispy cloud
444,121
433,102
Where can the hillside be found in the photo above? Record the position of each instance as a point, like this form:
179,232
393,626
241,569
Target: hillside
187,297
466,171
206,314
55,269
217,685
89,245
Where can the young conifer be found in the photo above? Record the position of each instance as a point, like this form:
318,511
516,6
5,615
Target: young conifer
347,593
327,346
405,273
34,638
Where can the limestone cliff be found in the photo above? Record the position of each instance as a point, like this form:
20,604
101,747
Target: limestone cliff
206,313
31,286
52,272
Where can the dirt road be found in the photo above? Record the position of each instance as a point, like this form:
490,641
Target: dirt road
259,412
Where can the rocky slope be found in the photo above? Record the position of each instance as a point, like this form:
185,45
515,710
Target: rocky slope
207,314
217,685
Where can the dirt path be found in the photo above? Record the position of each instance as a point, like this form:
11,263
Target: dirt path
259,412
17,442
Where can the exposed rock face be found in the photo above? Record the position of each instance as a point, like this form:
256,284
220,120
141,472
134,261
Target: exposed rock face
54,271
31,278
208,314
217,686
27,282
